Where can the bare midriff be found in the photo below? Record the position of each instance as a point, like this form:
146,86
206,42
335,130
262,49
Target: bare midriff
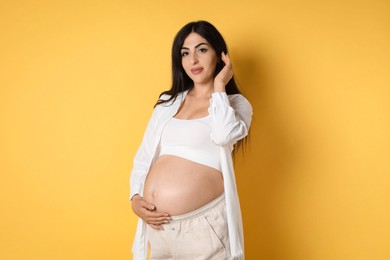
177,186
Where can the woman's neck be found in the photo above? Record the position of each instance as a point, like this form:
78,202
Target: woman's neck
202,91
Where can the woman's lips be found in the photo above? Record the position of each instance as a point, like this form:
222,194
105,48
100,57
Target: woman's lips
196,70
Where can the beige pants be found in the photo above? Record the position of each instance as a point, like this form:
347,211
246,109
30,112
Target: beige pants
200,234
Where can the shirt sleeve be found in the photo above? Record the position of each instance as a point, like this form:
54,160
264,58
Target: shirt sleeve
231,116
143,157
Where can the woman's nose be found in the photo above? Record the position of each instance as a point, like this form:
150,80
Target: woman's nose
194,59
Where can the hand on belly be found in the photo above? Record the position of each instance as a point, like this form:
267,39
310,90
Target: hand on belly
177,186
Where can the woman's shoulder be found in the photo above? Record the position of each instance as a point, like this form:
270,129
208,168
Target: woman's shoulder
166,99
162,100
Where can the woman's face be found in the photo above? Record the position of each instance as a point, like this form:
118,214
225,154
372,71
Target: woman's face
199,59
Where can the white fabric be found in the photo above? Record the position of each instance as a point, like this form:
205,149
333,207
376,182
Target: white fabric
231,118
206,225
190,139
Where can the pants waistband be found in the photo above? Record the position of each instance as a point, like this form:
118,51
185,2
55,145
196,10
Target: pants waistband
193,214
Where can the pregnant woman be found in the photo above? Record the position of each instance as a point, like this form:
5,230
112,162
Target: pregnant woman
182,184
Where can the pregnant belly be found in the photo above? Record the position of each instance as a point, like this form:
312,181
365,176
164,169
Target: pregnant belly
177,186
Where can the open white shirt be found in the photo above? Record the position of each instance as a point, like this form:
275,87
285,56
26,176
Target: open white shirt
231,119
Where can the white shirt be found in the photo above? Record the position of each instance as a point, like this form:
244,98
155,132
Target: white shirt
231,117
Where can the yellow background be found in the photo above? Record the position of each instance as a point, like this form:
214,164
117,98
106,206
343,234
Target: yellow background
78,81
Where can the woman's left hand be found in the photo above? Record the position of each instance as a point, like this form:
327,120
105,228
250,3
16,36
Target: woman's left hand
225,75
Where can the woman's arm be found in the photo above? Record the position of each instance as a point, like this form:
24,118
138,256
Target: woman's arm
142,161
145,153
232,116
143,158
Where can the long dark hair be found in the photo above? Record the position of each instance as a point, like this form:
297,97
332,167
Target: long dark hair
180,79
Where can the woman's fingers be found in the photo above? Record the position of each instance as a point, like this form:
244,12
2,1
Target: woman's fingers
225,75
139,205
226,60
148,213
147,205
155,217
139,201
158,220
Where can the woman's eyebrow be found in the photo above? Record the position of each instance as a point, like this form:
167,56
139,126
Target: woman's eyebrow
202,43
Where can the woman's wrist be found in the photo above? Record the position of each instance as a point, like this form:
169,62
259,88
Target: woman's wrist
219,88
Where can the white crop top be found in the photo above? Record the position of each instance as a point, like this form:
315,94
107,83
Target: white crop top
190,139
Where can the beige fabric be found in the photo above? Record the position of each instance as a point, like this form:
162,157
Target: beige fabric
201,234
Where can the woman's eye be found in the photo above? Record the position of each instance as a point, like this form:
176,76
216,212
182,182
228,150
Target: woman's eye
202,50
184,54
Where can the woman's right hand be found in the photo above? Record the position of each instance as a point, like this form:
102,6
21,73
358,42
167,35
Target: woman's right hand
147,212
